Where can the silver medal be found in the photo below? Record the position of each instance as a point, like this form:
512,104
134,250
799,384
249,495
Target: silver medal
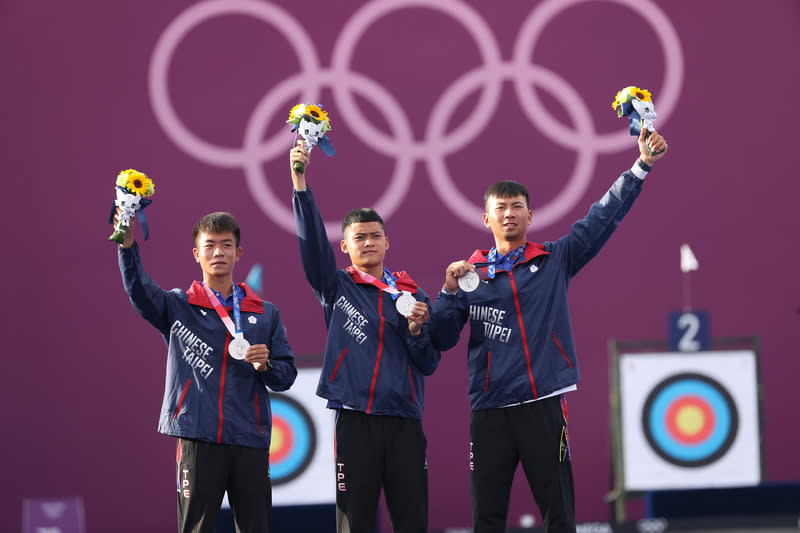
469,281
238,348
405,304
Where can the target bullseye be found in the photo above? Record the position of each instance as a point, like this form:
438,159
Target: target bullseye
690,420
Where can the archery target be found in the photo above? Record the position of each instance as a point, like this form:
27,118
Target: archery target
294,439
689,420
301,451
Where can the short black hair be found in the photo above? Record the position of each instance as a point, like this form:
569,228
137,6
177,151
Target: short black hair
219,222
363,214
506,189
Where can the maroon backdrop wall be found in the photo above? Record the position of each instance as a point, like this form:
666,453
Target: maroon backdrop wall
429,105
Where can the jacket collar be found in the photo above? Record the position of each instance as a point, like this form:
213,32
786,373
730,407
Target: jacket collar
533,249
251,303
404,281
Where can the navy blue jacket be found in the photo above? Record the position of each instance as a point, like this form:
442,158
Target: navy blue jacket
521,345
372,363
209,395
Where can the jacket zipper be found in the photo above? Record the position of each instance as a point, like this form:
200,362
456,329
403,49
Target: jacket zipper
378,357
522,330
258,416
222,387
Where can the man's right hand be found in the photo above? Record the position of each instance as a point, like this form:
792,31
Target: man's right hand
299,153
128,240
455,271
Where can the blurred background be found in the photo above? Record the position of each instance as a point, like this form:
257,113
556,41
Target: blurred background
430,102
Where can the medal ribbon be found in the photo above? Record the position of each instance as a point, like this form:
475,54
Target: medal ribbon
235,330
505,262
390,286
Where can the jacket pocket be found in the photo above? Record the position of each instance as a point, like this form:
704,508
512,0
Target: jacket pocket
338,362
561,349
183,396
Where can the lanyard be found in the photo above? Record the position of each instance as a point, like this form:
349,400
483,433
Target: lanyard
390,286
505,262
234,329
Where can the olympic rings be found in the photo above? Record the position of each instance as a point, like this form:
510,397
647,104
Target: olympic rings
401,145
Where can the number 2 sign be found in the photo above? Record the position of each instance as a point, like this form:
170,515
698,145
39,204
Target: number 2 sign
689,331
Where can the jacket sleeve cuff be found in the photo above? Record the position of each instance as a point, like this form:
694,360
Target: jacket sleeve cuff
446,291
640,169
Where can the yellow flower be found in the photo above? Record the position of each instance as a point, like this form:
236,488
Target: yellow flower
641,94
629,93
311,111
296,113
151,188
316,112
137,183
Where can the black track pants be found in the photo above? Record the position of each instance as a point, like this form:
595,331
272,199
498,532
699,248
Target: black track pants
205,471
374,451
535,434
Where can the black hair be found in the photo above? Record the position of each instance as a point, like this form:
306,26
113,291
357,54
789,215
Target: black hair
364,214
506,189
219,222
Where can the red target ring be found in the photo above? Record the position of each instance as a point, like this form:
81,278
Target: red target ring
690,420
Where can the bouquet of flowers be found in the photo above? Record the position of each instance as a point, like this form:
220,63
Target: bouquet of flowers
312,122
133,192
638,106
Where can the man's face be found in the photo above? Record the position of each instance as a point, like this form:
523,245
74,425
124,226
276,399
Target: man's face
508,218
216,253
366,243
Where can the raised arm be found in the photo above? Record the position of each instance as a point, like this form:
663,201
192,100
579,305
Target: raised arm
588,235
316,253
146,296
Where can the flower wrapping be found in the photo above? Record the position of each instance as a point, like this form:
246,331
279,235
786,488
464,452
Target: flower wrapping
637,104
312,123
133,190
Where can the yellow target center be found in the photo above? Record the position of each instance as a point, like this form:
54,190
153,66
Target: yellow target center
690,420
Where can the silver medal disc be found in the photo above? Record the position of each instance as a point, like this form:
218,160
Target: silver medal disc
469,281
405,304
238,348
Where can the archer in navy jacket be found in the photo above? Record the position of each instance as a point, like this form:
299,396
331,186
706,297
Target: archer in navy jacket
208,395
521,345
372,361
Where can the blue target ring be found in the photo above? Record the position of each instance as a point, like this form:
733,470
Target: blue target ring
294,439
717,426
